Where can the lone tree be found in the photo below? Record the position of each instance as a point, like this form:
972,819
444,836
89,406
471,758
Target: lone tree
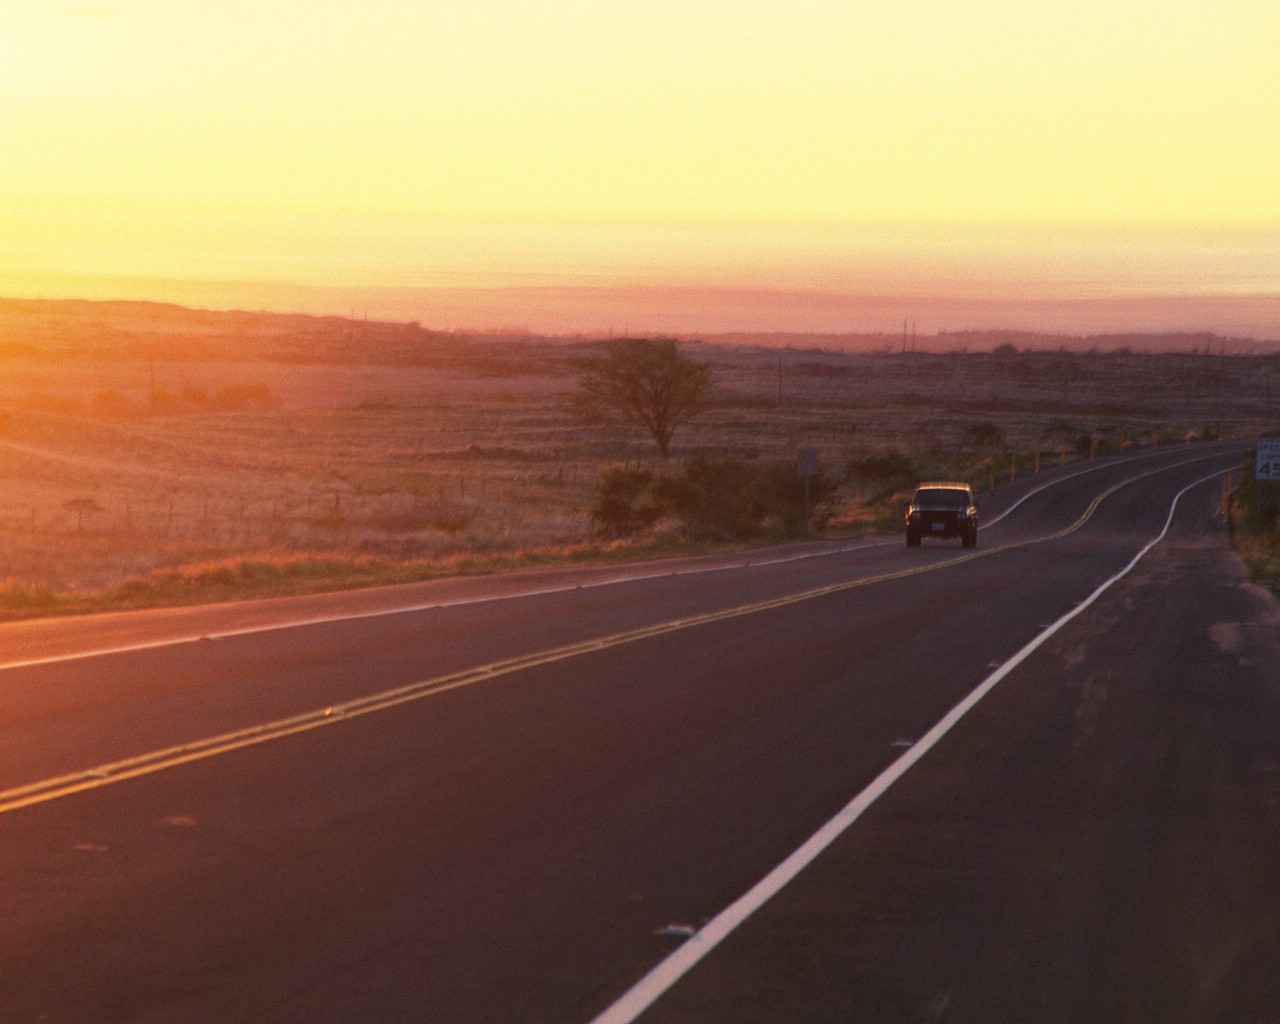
645,381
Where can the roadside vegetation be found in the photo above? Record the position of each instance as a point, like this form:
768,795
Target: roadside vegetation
152,455
1256,526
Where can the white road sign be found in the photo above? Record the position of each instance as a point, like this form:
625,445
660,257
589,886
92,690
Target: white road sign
1266,461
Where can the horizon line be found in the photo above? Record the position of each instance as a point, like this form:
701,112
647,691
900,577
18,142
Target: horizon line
696,308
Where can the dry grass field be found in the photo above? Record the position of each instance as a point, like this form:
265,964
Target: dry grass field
152,454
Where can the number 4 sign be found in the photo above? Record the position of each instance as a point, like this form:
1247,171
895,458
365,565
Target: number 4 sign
1266,461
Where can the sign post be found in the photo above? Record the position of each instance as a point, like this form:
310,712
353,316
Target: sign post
808,466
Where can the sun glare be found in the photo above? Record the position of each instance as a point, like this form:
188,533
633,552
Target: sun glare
396,144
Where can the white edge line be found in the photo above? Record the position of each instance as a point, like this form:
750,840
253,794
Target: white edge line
662,977
324,620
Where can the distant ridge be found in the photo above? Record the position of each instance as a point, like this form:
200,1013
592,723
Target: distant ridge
18,315
1203,343
714,311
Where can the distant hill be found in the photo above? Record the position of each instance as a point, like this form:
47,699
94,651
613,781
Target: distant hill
1010,341
698,311
115,330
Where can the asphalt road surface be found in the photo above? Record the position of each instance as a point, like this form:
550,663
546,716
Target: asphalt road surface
1035,781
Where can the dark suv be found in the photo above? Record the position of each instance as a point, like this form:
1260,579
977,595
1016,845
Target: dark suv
942,510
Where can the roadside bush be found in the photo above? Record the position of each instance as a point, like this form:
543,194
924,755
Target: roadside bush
1259,503
715,500
1256,526
723,499
781,489
18,596
625,503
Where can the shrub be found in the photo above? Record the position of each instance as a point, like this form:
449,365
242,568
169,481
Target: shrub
721,499
1259,502
624,503
716,500
781,489
19,596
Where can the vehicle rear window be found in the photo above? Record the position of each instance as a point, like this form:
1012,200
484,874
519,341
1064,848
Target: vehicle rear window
942,496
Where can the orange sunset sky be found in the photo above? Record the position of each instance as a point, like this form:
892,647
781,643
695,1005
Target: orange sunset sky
481,163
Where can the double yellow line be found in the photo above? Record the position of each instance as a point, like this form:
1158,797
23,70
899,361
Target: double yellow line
197,750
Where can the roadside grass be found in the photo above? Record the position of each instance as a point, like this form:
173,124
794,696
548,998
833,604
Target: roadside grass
1260,553
293,575
1255,524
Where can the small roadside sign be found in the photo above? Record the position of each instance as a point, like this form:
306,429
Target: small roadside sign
1266,461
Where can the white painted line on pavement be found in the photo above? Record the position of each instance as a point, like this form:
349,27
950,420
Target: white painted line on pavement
377,613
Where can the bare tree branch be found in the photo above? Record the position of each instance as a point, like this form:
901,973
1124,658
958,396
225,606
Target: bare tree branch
645,381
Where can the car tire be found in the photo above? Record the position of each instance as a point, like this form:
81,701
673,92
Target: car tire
970,538
913,539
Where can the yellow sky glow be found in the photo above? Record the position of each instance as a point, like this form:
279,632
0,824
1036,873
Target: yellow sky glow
815,143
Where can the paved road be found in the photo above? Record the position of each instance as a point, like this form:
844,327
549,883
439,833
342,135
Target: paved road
1098,841
467,805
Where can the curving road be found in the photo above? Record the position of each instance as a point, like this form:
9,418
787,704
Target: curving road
1034,781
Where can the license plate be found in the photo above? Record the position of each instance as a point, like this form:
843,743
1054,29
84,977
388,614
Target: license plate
939,527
